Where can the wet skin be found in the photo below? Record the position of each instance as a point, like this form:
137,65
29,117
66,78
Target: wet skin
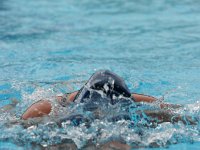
38,112
43,107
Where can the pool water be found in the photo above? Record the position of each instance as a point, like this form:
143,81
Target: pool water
52,47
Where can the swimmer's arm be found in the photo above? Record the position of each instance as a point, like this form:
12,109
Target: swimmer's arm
166,116
38,109
143,98
150,99
43,107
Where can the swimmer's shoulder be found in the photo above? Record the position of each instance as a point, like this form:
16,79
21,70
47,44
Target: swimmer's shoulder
65,99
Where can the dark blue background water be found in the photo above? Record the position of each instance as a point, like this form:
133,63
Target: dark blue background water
153,45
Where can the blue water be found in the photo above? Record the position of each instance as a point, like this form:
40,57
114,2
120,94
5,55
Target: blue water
51,47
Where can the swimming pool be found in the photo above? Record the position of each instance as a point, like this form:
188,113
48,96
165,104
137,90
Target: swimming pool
154,45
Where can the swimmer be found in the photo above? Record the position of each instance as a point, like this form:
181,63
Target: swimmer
112,86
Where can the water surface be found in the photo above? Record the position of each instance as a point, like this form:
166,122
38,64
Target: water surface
51,47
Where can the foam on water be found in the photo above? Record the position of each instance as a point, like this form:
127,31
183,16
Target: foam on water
100,129
153,45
